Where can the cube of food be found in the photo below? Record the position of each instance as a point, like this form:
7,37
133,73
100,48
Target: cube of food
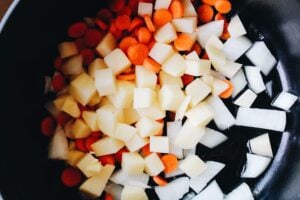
125,132
165,34
145,9
198,90
148,127
143,97
136,143
185,25
117,61
162,4
70,106
189,9
145,78
132,192
58,147
106,146
107,44
159,144
174,65
153,112
167,79
89,165
130,115
153,165
74,156
133,163
201,114
170,97
192,165
67,49
96,99
80,129
180,112
123,97
284,100
218,87
160,52
197,67
105,82
90,118
82,88
98,63
73,65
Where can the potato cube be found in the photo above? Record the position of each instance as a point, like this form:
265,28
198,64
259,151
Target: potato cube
80,129
185,25
180,112
145,78
96,99
132,192
165,34
189,9
106,146
94,186
67,49
105,82
136,143
218,86
153,112
133,163
123,97
74,156
145,9
89,165
167,79
60,100
159,144
125,132
201,114
117,61
170,97
153,165
73,66
162,4
70,107
143,97
198,90
148,127
107,44
90,118
98,63
174,65
197,67
130,116
160,52
192,166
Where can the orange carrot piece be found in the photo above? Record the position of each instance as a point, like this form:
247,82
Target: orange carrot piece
225,35
223,6
159,181
129,71
144,35
177,9
117,5
227,93
149,23
184,42
187,79
219,16
135,23
151,65
123,22
108,197
127,42
137,53
162,17
196,47
209,2
126,77
205,56
170,162
205,13
101,24
151,44
107,159
116,32
145,151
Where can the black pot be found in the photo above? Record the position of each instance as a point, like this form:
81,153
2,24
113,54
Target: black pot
27,49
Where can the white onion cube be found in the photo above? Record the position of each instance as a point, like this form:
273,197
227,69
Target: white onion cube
117,61
204,32
284,100
243,191
133,163
212,138
234,48
236,27
143,97
197,90
145,9
105,82
239,82
145,78
167,79
255,166
254,78
212,191
173,129
165,34
185,25
192,165
153,165
159,144
171,97
174,65
261,145
162,4
147,127
246,99
200,115
160,52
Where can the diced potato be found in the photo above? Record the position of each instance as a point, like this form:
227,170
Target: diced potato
89,165
105,82
123,97
96,99
165,34
107,44
80,129
174,65
218,87
189,9
90,118
83,88
197,67
180,112
208,80
68,130
153,112
125,132
132,192
98,63
106,146
130,115
70,107
201,114
170,97
145,9
136,143
74,156
153,165
145,78
162,4
73,66
192,165
159,144
117,61
198,90
94,186
185,25
67,49
60,100
192,56
143,97
133,163
167,79
148,127
104,102
58,147
160,52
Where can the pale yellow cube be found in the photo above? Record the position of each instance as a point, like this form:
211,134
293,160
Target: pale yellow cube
185,25
171,97
133,163
67,49
160,52
174,65
131,115
107,45
107,145
60,100
192,166
74,156
200,115
143,97
167,79
90,118
89,165
125,132
197,90
70,107
165,34
136,143
145,78
80,129
153,112
117,61
153,165
73,66
105,82
133,193
123,97
159,144
197,67
96,99
147,127
162,4
98,63
145,9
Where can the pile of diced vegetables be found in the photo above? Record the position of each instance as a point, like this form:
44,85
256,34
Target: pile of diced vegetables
135,88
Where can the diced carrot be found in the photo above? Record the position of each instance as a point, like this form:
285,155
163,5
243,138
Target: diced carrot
177,9
205,56
62,118
227,93
170,162
48,125
159,181
107,160
187,79
196,47
125,11
126,77
184,42
105,15
92,37
151,44
209,2
108,197
137,53
161,17
144,35
77,30
205,13
149,23
101,24
151,65
127,42
117,5
116,32
123,22
223,6
88,56
145,151
135,23
225,35
71,177
80,144
219,16
91,140
119,154
58,82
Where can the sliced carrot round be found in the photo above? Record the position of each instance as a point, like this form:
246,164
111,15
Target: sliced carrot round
144,35
126,42
71,177
209,2
135,23
122,22
223,6
137,53
159,181
205,13
161,17
149,23
184,42
227,93
177,9
170,162
151,65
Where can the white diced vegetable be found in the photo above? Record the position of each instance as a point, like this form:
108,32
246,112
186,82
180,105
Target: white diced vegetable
58,147
200,115
174,190
136,143
145,78
261,145
105,82
246,99
212,191
153,165
229,69
188,9
255,166
114,190
133,163
269,88
73,65
192,56
173,129
177,172
197,90
171,97
284,100
174,65
234,48
130,116
167,79
107,44
80,129
143,97
218,87
187,152
147,127
162,4
159,144
185,25
123,97
117,61
74,156
98,63
89,165
216,56
205,31
165,34
160,52
90,118
107,145
180,112
239,82
192,165
236,27
123,178
255,80
107,117
241,192
145,9
124,132
132,192
153,112
198,67
212,138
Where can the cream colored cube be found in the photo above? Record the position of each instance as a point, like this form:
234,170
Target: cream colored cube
145,78
160,52
133,163
174,65
200,115
185,25
189,9
98,63
125,132
159,144
130,115
143,97
107,44
117,61
167,79
153,112
133,193
218,87
89,165
67,49
104,102
123,97
192,166
90,118
60,100
96,99
74,156
94,186
70,107
73,65
147,127
165,34
136,143
162,4
197,67
198,91
83,88
153,165
145,9
105,82
80,129
106,146
170,97
180,112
